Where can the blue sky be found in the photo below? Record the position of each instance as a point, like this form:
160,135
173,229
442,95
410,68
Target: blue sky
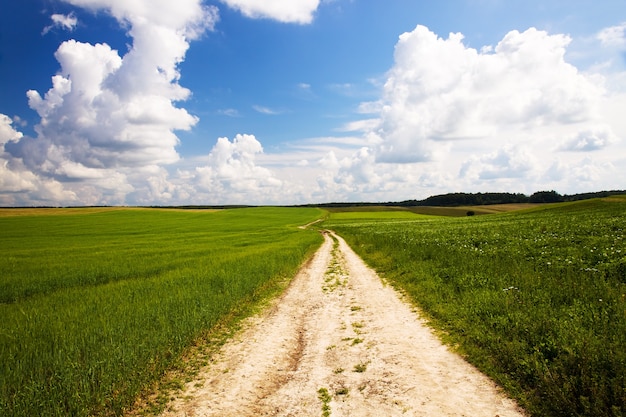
139,102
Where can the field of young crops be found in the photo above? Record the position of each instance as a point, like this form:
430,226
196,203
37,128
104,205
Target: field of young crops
96,304
535,298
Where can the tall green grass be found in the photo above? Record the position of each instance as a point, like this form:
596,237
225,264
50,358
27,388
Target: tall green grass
537,299
95,307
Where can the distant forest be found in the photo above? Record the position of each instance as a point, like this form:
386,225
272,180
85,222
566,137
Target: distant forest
481,199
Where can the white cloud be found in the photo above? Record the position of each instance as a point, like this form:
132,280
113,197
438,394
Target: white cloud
304,91
358,171
345,89
106,116
67,22
592,139
357,177
608,56
360,125
18,185
370,107
506,162
187,17
232,174
7,132
613,36
112,111
229,112
440,90
582,174
266,110
292,11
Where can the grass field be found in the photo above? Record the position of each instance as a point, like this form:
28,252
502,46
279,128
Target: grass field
434,210
96,304
535,298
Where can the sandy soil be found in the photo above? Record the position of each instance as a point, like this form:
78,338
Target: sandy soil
339,328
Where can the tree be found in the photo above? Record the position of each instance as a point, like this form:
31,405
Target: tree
546,197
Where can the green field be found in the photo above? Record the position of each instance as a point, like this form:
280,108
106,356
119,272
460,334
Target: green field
535,298
460,211
97,304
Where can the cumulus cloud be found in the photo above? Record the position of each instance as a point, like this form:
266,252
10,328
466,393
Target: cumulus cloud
190,18
20,186
232,174
292,11
107,115
67,22
7,132
440,90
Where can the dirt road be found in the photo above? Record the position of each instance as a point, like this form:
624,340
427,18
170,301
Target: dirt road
341,343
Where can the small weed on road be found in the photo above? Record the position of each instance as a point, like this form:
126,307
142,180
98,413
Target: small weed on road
360,368
325,398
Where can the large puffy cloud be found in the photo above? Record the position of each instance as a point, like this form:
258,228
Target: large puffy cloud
440,90
232,169
113,111
187,17
7,132
292,11
18,185
108,116
231,174
452,118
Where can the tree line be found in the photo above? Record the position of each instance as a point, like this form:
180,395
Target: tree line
481,199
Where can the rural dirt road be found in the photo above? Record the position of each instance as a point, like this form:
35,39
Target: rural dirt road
339,342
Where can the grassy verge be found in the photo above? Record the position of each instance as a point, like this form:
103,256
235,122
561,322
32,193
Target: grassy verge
97,306
536,298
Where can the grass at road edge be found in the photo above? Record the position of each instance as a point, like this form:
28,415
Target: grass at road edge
155,398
